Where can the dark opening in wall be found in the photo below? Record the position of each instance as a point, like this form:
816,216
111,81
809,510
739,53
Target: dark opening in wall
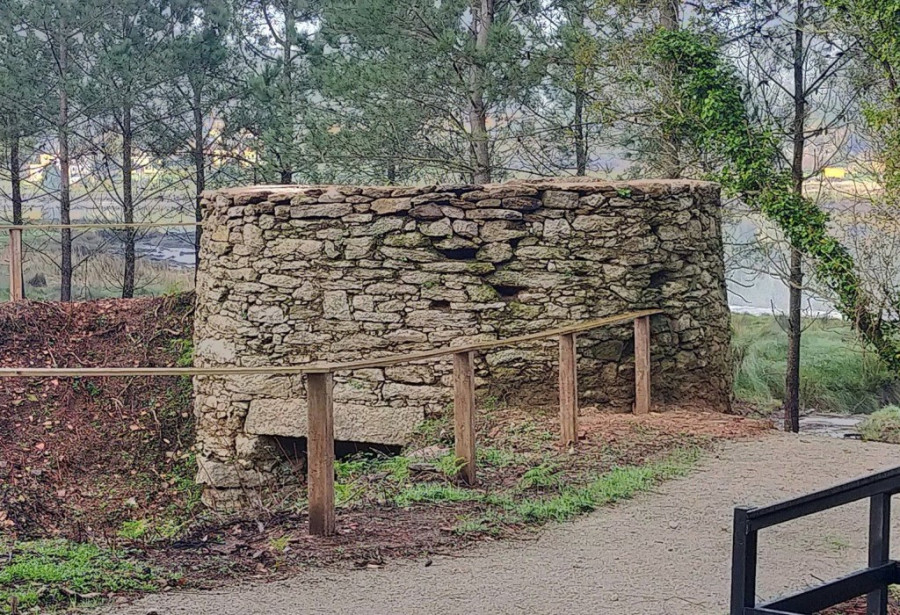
507,292
459,254
294,449
658,279
440,304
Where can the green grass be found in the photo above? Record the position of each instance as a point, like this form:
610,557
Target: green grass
882,426
39,571
837,374
558,501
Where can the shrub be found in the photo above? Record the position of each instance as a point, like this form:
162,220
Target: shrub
882,426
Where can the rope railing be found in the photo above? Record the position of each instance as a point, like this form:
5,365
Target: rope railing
320,406
16,265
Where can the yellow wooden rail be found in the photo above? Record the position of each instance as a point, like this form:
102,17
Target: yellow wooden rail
16,282
320,406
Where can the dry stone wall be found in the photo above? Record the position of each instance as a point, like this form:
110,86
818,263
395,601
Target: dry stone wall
290,275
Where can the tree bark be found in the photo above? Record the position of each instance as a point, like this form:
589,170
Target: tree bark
287,73
199,169
483,13
65,199
580,137
671,164
795,278
15,180
128,202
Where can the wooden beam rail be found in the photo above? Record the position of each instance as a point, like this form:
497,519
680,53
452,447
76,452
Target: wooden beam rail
321,403
320,367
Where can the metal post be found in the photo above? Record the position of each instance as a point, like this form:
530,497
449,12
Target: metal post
743,563
879,548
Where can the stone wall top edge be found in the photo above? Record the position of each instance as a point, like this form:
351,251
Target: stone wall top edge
566,184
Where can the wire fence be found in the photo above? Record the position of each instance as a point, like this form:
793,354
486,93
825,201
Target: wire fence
102,273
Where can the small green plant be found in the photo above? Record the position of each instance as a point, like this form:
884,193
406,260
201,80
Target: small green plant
346,494
623,192
449,465
353,467
134,530
540,477
496,457
185,350
396,467
279,544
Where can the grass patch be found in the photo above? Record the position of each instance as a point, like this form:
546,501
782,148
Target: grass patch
882,426
434,493
837,374
565,501
49,574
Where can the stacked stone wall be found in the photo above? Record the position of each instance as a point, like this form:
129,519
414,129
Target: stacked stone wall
290,275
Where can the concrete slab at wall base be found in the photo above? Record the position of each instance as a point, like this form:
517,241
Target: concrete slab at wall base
294,274
352,422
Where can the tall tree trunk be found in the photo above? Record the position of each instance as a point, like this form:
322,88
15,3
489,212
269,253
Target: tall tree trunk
15,180
795,281
669,19
287,73
128,202
580,137
199,170
65,199
483,20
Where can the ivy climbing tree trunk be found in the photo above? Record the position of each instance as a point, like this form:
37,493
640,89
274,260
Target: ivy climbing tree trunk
795,276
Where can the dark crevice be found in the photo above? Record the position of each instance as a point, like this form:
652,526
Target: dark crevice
458,254
294,449
507,292
440,305
658,279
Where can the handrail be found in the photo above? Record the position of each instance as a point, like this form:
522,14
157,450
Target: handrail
321,368
872,581
320,402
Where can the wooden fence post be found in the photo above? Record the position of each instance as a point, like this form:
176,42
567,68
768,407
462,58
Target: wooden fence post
16,289
464,413
320,453
568,389
642,365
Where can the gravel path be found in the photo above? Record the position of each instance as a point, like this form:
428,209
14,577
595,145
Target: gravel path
665,552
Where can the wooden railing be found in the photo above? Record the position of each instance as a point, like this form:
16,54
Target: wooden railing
320,403
16,263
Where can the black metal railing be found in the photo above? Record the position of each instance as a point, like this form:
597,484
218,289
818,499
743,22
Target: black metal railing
872,582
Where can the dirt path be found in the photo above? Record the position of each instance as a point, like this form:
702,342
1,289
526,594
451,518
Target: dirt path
666,552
